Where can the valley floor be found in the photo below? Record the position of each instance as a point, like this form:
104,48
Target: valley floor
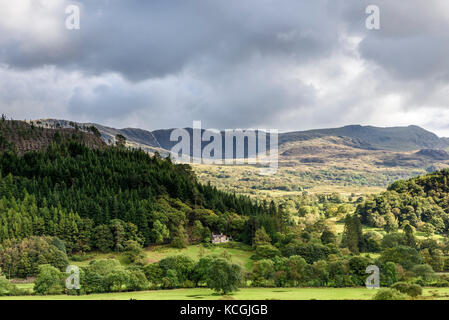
243,294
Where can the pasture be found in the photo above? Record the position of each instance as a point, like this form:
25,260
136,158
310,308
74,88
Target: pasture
243,294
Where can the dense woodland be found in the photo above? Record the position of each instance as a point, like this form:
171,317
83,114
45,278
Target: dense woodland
423,202
69,191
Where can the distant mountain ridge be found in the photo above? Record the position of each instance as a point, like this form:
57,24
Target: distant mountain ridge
24,137
350,156
135,137
390,138
408,138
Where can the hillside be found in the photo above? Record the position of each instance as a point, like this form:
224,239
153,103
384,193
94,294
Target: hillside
325,164
72,191
364,137
136,138
97,207
369,137
27,137
347,158
421,201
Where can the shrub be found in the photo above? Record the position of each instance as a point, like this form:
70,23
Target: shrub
389,294
5,286
424,271
9,289
412,290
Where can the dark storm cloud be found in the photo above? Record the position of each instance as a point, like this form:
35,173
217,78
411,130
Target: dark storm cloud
145,39
288,64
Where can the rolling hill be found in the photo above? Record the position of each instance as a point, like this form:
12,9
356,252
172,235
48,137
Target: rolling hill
349,157
57,182
363,137
369,137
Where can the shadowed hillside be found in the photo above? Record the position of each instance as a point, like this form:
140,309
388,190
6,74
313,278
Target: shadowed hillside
23,137
364,137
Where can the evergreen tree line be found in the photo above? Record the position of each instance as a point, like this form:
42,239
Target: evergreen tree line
69,190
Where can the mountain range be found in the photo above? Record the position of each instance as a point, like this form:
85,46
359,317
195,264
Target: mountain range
363,137
350,157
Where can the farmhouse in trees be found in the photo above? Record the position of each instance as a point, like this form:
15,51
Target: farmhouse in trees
220,238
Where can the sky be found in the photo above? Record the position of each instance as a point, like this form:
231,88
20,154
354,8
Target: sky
270,64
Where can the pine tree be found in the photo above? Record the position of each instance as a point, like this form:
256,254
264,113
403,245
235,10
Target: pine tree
352,234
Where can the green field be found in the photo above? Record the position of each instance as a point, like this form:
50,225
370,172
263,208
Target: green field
243,294
240,255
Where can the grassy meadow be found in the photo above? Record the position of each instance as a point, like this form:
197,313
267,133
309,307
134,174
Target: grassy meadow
239,255
243,294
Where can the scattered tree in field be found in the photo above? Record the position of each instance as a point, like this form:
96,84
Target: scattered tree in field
201,270
224,277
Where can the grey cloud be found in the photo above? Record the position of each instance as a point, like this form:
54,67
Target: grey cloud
104,101
156,64
412,42
146,39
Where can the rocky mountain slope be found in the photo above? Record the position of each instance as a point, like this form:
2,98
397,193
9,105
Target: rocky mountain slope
363,137
356,156
24,137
